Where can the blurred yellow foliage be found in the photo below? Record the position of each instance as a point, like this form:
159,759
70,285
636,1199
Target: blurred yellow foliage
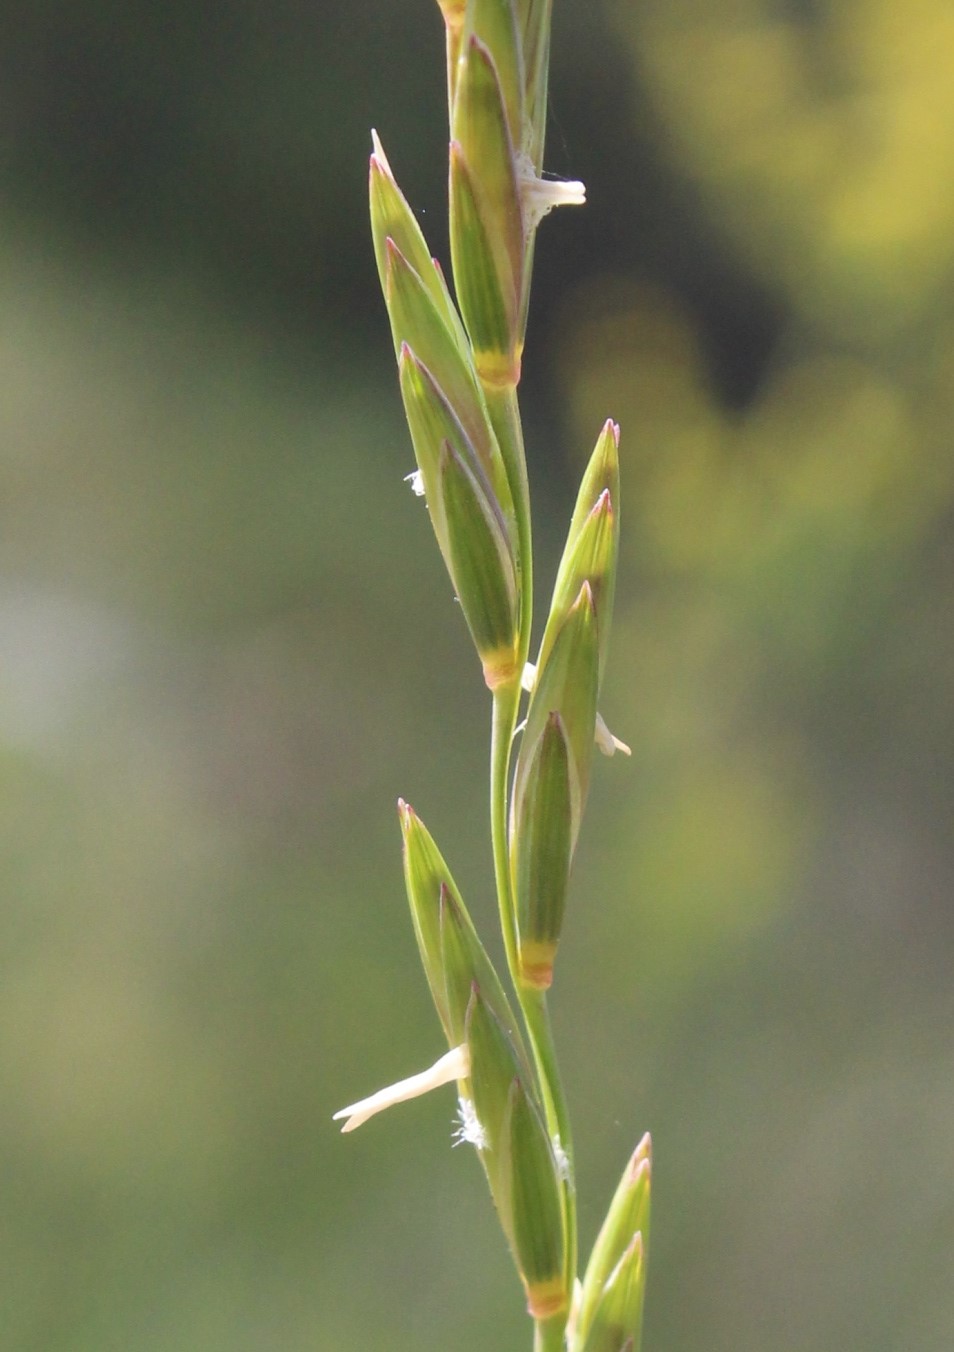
825,144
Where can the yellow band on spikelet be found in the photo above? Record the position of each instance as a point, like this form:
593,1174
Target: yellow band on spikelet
499,370
546,1299
536,964
501,667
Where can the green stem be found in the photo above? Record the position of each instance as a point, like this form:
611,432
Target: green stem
548,1334
505,414
506,704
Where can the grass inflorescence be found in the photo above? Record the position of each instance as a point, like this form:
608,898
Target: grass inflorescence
459,361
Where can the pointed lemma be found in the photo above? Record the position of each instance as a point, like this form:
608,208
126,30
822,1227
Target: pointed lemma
627,1217
482,568
392,218
543,832
591,548
534,1203
486,223
435,417
601,474
567,682
424,318
475,535
549,789
487,299
452,955
494,24
417,321
617,1321
497,1057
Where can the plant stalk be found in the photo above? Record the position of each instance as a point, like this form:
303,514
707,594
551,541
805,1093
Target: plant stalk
504,412
505,415
548,1334
506,704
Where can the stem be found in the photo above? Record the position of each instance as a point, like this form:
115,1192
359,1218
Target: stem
505,415
548,1334
506,703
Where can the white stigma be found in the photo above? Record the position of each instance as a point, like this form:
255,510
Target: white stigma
607,743
469,1128
538,196
561,1159
454,1065
416,480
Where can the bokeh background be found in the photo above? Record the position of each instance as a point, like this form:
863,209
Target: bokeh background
228,645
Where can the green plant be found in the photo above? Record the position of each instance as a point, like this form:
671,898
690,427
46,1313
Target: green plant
459,366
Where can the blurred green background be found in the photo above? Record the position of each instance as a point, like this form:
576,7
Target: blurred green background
228,645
